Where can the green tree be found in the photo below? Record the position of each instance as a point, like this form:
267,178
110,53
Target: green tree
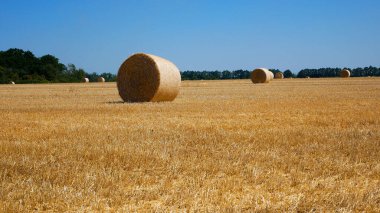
288,74
93,77
109,77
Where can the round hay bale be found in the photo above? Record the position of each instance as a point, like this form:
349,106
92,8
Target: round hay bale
12,82
260,75
101,79
345,73
307,76
279,75
271,75
144,77
85,80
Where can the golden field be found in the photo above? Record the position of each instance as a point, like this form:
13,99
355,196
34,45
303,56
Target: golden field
221,146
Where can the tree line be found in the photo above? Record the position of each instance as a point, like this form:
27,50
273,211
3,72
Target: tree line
219,75
24,67
334,72
304,73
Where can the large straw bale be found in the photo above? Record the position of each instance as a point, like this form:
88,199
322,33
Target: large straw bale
260,75
145,77
271,75
345,73
85,80
101,79
279,75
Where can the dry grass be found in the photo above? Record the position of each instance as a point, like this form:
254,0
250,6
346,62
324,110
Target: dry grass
294,145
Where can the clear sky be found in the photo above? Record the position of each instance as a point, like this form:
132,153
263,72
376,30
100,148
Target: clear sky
98,35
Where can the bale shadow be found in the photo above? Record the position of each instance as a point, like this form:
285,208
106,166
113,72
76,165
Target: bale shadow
115,102
124,102
134,103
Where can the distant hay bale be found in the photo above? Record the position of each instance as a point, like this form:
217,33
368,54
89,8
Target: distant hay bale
12,82
279,75
144,77
101,79
85,80
260,75
307,76
345,73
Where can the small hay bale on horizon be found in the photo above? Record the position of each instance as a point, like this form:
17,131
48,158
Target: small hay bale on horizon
148,78
12,82
345,73
279,75
101,80
85,80
260,75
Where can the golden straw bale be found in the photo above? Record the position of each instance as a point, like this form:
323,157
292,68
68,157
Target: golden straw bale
101,79
145,77
85,80
345,73
271,75
279,75
261,75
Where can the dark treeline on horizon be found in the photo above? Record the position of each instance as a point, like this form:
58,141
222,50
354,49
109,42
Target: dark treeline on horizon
226,74
334,72
23,67
313,73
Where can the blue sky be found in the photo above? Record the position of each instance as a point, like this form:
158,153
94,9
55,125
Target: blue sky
98,35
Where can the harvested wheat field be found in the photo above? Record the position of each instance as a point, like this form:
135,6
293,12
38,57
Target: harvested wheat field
291,145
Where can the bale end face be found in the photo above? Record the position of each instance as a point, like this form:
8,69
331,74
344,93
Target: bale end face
101,79
345,73
144,77
260,75
279,75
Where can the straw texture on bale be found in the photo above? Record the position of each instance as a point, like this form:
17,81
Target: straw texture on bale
260,75
101,79
85,80
271,75
145,77
279,75
345,73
